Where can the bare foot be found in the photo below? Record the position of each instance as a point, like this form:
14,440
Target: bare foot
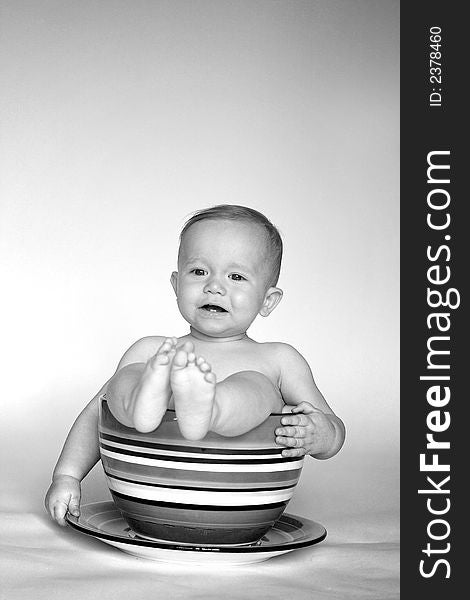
153,392
193,386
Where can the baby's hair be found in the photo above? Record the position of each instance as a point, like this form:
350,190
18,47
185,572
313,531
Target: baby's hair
243,213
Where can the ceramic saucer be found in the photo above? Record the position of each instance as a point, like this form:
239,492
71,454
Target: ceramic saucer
103,521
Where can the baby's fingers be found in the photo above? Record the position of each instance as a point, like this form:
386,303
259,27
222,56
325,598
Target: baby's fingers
304,407
74,507
290,442
59,510
294,452
291,432
291,420
301,420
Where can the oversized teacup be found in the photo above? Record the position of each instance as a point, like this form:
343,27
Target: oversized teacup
220,490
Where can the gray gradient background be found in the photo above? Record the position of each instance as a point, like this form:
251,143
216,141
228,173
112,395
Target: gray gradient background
121,117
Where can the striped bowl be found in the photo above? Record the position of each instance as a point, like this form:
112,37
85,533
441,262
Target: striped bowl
220,490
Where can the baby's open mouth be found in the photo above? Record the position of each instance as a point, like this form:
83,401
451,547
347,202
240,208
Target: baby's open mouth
213,308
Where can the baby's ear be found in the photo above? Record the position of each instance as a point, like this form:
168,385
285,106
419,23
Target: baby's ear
174,281
271,299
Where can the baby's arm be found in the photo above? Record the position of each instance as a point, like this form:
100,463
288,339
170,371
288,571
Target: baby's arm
313,428
81,449
79,455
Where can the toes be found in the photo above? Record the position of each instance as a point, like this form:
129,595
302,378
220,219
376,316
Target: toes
164,353
191,358
165,347
181,359
210,377
203,365
188,347
160,359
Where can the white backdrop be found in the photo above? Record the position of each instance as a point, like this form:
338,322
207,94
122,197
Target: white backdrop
118,120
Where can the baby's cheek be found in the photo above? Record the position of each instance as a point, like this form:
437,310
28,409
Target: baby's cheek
244,305
186,299
240,298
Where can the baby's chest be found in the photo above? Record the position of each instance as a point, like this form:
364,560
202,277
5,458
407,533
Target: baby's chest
224,365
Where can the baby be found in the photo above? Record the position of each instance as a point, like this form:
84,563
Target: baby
215,377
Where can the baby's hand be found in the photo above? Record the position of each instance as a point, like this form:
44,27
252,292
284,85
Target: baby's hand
307,431
63,495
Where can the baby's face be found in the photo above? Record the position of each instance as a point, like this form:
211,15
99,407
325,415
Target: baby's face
223,276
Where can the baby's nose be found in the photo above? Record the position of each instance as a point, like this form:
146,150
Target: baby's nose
214,286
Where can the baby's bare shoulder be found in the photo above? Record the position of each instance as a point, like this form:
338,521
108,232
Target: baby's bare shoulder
281,352
291,365
142,350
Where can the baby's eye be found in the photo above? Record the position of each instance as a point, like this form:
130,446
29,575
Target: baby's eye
237,277
198,272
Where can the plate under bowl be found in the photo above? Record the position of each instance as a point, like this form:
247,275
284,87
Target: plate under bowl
103,521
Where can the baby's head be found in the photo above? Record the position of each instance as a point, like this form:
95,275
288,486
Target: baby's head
228,266
251,218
